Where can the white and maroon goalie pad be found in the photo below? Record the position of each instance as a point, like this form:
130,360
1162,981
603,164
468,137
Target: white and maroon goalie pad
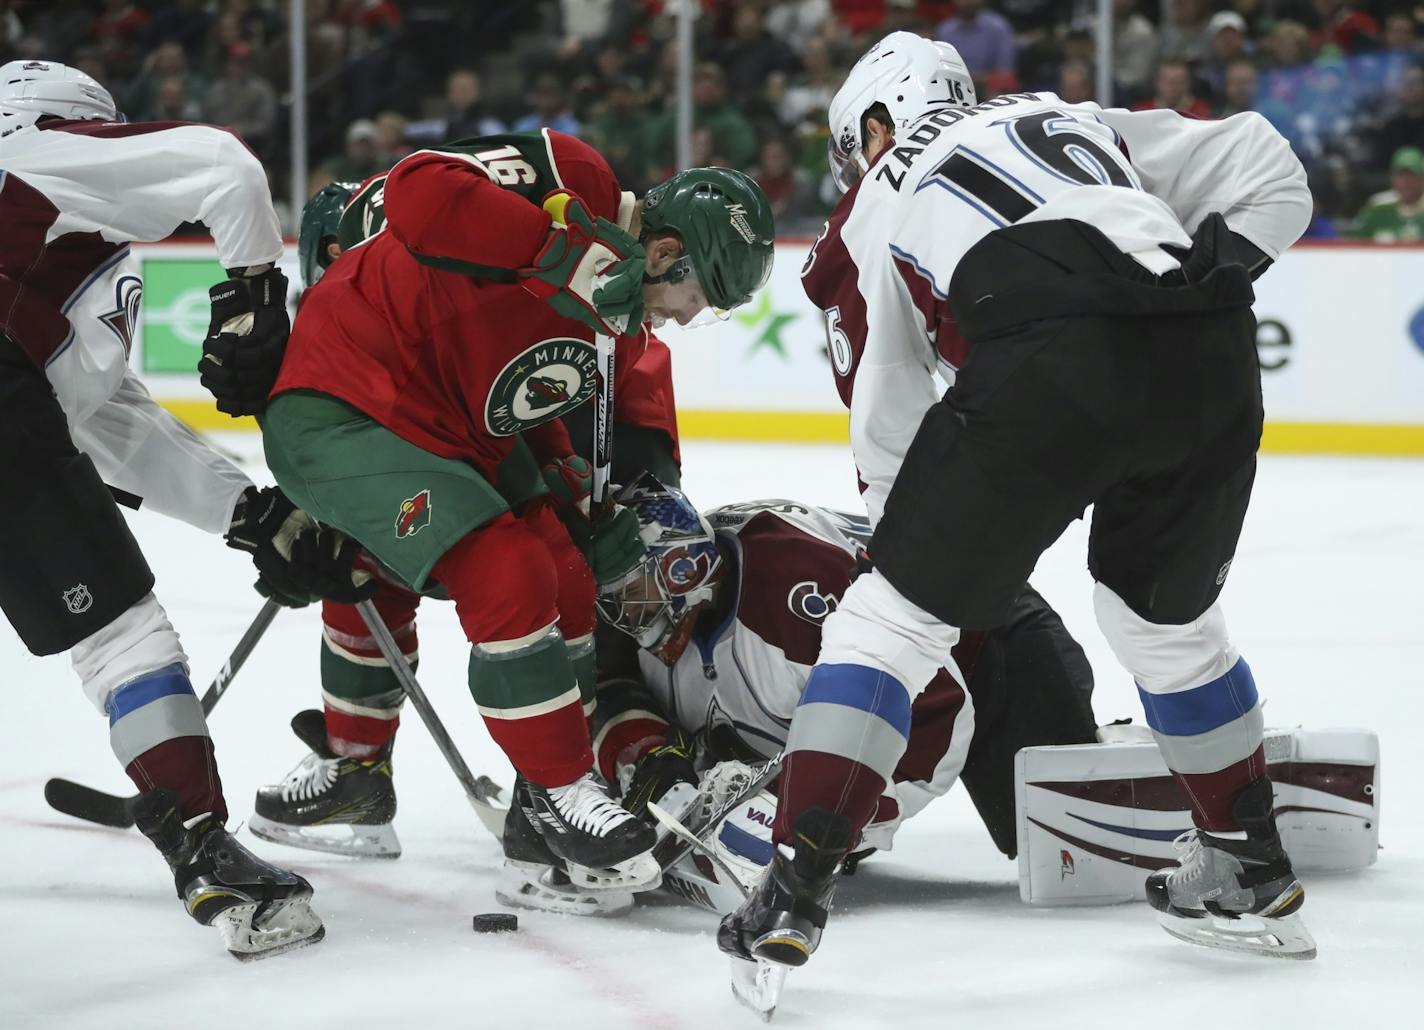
1095,819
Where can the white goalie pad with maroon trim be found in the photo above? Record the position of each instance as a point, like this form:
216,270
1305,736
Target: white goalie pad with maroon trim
1095,819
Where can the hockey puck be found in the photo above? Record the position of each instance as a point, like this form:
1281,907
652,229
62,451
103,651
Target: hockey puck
496,922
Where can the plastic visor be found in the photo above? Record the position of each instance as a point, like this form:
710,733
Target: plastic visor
684,300
846,170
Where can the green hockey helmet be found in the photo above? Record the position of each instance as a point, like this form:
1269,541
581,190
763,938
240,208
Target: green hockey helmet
320,217
726,228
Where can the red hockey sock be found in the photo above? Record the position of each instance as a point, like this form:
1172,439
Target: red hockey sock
187,767
832,782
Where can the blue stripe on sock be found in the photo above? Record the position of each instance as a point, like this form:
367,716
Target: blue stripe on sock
747,845
859,686
165,682
1201,709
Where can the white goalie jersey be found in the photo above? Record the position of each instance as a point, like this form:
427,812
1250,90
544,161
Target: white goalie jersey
881,269
73,195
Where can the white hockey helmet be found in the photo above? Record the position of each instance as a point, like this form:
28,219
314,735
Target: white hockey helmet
29,90
909,75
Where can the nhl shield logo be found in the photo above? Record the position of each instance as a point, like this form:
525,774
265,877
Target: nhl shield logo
78,599
547,380
414,515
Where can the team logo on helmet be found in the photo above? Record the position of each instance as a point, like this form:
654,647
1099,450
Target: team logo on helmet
78,599
807,602
547,380
737,215
684,567
414,515
34,66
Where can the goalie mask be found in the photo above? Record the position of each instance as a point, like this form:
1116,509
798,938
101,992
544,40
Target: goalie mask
657,603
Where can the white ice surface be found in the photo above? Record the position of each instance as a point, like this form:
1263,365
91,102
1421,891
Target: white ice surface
1324,599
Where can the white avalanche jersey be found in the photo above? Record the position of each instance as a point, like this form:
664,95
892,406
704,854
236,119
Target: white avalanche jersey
73,195
793,564
881,269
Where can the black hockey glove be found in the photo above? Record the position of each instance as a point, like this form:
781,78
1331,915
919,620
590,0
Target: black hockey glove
247,337
658,771
297,561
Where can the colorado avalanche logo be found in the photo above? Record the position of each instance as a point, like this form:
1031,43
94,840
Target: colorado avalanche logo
807,602
128,293
684,569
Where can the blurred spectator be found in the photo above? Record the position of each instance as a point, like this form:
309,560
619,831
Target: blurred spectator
985,41
171,103
391,143
704,149
1397,215
168,60
809,94
620,131
465,115
752,53
551,108
1174,92
1227,34
185,22
1405,128
788,188
1135,47
733,137
119,28
1345,27
1239,91
798,23
1287,45
242,101
1184,38
1075,82
585,26
361,159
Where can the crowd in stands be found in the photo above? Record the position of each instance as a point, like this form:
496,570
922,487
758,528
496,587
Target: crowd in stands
1342,80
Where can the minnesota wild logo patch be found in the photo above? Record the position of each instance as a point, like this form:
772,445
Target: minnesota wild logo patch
414,515
546,381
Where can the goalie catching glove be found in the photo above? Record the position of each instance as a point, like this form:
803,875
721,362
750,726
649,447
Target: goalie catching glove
657,771
589,269
297,561
247,338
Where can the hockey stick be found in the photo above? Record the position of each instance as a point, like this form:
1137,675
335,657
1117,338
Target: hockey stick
486,797
603,423
111,810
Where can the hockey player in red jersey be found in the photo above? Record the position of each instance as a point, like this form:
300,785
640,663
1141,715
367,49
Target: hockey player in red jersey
77,185
466,321
1085,277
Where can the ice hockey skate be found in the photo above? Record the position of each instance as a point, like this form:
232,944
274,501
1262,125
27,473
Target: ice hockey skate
330,802
260,909
780,926
1237,895
534,877
601,845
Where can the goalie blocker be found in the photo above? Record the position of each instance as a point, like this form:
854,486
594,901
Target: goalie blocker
1095,819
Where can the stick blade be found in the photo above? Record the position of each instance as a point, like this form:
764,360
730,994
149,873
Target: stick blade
757,985
81,802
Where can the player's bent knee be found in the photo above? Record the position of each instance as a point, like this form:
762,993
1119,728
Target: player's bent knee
138,642
503,581
875,624
1164,658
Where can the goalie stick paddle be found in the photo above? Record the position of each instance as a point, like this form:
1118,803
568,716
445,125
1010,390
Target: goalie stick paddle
670,850
96,806
486,797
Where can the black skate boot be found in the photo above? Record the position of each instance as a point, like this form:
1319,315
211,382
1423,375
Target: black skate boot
261,910
536,878
779,927
328,802
1238,895
602,845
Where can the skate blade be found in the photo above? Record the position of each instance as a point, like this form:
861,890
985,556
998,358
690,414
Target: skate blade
285,927
639,873
350,839
530,885
757,985
1277,937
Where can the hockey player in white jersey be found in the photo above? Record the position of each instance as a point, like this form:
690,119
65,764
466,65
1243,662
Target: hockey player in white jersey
77,184
1085,276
